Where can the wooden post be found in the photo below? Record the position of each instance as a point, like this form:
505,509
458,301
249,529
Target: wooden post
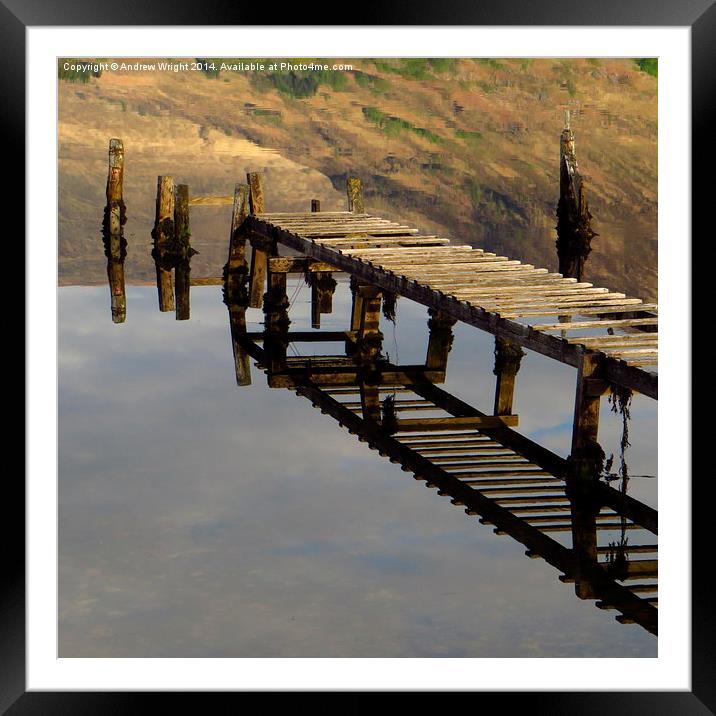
356,305
118,296
315,302
115,245
508,357
574,231
182,234
370,338
355,195
323,286
584,544
440,339
260,254
163,232
236,268
115,182
370,400
276,321
587,455
237,238
242,364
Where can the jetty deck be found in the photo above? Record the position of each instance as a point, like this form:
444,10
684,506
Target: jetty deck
504,296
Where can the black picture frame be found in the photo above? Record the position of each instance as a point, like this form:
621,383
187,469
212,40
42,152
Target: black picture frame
699,15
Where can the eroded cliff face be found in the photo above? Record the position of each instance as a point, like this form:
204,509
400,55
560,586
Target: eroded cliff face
464,148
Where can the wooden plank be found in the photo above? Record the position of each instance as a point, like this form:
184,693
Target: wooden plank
415,424
605,323
625,338
612,526
618,352
625,306
494,482
268,216
298,264
206,280
456,250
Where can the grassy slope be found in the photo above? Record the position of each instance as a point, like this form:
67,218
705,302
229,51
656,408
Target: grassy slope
468,148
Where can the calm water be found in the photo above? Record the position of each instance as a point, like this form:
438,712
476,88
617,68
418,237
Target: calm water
200,519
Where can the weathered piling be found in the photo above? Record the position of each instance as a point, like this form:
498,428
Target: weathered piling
242,363
584,513
323,286
276,320
508,356
182,234
574,231
115,245
163,233
586,457
115,181
261,248
370,338
236,267
355,195
440,339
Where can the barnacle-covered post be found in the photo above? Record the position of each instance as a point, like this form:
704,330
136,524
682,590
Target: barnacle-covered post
182,234
440,339
508,356
261,251
163,234
115,245
323,285
574,231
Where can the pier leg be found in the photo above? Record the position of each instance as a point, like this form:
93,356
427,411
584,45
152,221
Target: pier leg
115,245
590,387
370,338
164,232
440,339
370,399
356,304
323,286
508,357
276,322
584,542
236,268
315,301
115,276
242,364
355,195
182,234
574,231
261,251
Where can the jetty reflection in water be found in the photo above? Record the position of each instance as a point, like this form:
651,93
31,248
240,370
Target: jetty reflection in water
196,520
508,481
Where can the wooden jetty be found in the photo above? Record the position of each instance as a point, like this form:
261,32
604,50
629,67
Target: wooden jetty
479,460
477,287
